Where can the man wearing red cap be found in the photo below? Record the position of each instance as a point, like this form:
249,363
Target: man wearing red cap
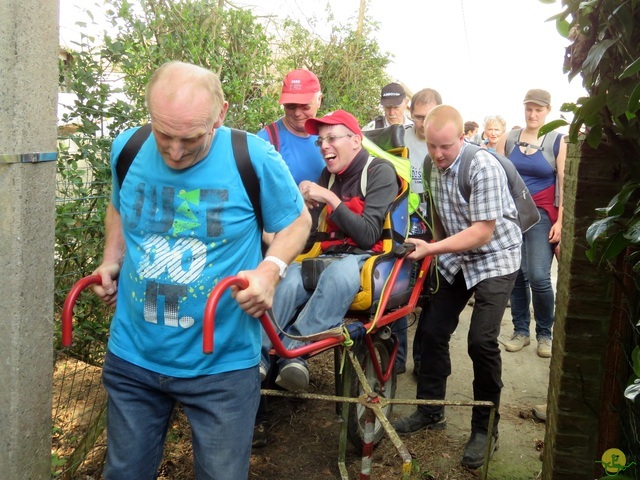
354,230
301,98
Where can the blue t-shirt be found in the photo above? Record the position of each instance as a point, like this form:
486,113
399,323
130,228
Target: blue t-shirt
184,231
301,154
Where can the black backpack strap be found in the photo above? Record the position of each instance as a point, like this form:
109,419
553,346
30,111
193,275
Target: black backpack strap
464,181
130,150
274,135
247,172
379,121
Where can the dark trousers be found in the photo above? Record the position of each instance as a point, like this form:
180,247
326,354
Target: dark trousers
441,316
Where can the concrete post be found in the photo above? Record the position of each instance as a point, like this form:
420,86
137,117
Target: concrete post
28,98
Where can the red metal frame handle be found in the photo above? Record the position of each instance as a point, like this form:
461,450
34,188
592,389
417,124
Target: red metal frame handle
208,322
70,302
208,325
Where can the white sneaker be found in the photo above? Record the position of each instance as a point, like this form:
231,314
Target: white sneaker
517,343
263,373
540,412
293,376
544,347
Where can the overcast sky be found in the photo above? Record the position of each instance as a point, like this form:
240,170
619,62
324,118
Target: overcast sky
481,55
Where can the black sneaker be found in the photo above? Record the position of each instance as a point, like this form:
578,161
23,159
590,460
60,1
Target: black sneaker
473,456
418,421
259,436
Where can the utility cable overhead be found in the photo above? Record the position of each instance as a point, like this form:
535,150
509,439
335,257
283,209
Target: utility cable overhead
464,26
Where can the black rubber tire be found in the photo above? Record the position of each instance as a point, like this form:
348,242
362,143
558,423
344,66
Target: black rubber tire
355,429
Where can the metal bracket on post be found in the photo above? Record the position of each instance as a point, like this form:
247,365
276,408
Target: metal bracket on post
28,157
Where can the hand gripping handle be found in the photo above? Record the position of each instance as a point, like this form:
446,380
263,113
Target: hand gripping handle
208,325
208,322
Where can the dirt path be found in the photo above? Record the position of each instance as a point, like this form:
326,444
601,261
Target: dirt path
525,377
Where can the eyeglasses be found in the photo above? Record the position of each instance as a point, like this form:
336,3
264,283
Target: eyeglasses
330,139
295,106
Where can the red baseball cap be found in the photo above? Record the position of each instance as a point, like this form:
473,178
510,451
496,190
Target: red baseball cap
299,86
339,117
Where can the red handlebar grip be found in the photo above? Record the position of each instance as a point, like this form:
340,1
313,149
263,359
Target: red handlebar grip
208,322
70,302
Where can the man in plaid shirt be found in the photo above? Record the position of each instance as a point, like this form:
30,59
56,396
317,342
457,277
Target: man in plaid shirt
478,254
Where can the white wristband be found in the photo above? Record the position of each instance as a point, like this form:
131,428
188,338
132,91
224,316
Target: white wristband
282,266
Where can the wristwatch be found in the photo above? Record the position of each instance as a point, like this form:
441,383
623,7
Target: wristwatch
281,265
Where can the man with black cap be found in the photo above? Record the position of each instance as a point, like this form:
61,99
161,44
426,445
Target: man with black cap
354,226
394,101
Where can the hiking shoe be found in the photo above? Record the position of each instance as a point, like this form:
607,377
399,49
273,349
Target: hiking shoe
473,456
418,421
540,412
517,343
544,347
293,376
259,436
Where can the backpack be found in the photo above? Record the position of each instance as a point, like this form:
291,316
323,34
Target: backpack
274,135
528,214
548,149
240,153
363,177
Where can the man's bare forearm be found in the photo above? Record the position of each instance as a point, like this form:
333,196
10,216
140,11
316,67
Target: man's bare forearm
114,246
289,242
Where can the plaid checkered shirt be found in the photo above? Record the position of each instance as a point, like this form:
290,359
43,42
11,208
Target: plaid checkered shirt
489,199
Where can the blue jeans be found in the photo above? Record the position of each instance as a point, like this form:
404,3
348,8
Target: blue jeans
400,327
534,282
220,408
324,307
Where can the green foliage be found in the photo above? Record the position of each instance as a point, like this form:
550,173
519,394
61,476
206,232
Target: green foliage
618,227
605,36
56,463
635,361
229,42
83,185
236,45
350,67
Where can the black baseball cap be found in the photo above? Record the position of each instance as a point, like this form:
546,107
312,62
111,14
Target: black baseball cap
392,95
